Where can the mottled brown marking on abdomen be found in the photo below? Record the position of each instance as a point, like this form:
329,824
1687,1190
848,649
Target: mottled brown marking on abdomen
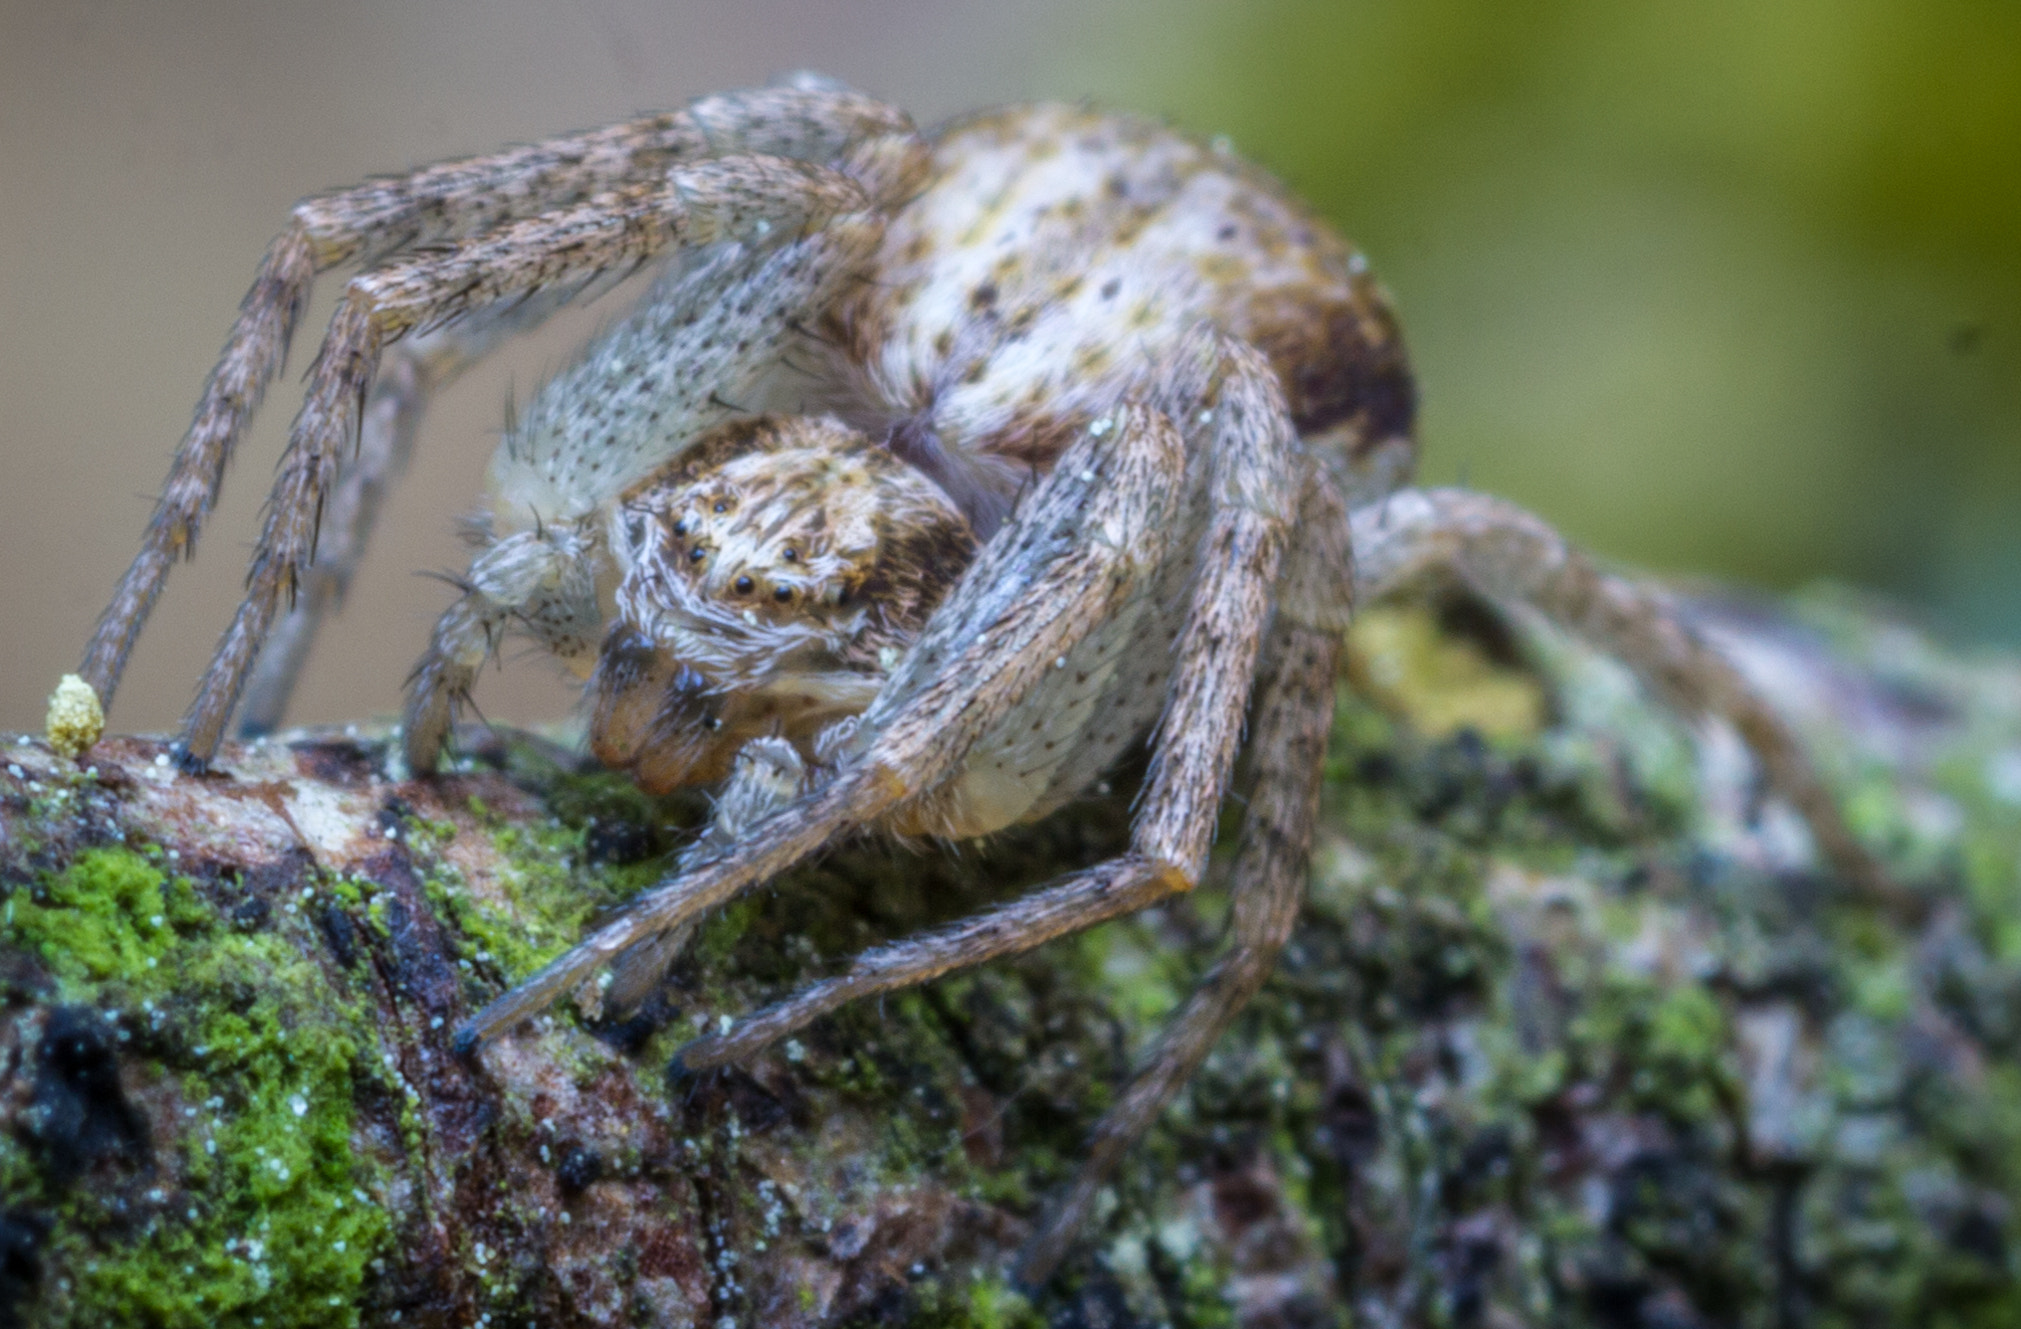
1341,361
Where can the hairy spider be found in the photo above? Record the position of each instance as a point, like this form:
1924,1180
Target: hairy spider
937,471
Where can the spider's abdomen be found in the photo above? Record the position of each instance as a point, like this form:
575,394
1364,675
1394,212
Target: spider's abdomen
1058,252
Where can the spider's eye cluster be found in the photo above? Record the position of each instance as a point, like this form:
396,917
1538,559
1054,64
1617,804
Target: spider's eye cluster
803,522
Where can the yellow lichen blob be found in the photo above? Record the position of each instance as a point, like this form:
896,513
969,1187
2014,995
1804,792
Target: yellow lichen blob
75,718
1441,683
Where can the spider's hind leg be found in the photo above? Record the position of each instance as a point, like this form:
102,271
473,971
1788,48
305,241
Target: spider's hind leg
1511,556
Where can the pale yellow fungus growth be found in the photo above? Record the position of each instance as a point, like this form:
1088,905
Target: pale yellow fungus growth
75,718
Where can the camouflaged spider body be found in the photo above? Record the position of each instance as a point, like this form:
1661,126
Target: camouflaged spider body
936,472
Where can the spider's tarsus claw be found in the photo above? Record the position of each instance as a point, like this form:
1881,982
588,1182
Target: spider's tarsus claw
189,763
466,1040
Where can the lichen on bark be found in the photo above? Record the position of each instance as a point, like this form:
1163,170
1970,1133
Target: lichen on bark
1571,1033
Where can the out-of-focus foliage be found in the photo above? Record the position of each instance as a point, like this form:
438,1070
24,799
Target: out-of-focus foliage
1722,285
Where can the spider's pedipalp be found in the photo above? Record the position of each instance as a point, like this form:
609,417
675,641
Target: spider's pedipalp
804,120
1512,556
541,582
731,198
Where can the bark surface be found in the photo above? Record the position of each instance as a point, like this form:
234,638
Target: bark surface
1572,1032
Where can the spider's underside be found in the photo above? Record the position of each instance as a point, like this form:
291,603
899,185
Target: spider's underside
935,472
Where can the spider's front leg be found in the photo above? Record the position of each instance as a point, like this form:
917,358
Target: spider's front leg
767,775
807,119
1514,557
721,199
415,370
1077,551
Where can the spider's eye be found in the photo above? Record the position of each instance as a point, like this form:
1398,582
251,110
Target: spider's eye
791,555
721,506
635,530
782,593
743,585
681,527
697,554
841,596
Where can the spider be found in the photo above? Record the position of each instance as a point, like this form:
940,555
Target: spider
937,472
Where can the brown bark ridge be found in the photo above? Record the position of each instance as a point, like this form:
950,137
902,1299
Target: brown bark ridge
1572,1032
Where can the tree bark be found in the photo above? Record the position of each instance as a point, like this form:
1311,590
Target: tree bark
1572,1032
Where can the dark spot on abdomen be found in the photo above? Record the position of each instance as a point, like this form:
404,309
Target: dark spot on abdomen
1341,360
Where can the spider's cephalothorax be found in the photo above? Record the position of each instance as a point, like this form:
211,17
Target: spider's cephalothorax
775,569
936,471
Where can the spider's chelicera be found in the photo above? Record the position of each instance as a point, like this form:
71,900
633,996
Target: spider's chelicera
937,471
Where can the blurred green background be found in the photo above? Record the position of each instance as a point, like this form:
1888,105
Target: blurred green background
1725,289
1724,286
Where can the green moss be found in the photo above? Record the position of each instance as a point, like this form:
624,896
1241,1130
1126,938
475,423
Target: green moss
1687,1027
261,1213
551,890
976,1303
102,918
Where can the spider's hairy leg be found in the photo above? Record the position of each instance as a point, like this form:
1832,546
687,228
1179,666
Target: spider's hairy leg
1194,749
808,121
1293,718
543,582
1078,546
1512,556
713,200
385,442
414,370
